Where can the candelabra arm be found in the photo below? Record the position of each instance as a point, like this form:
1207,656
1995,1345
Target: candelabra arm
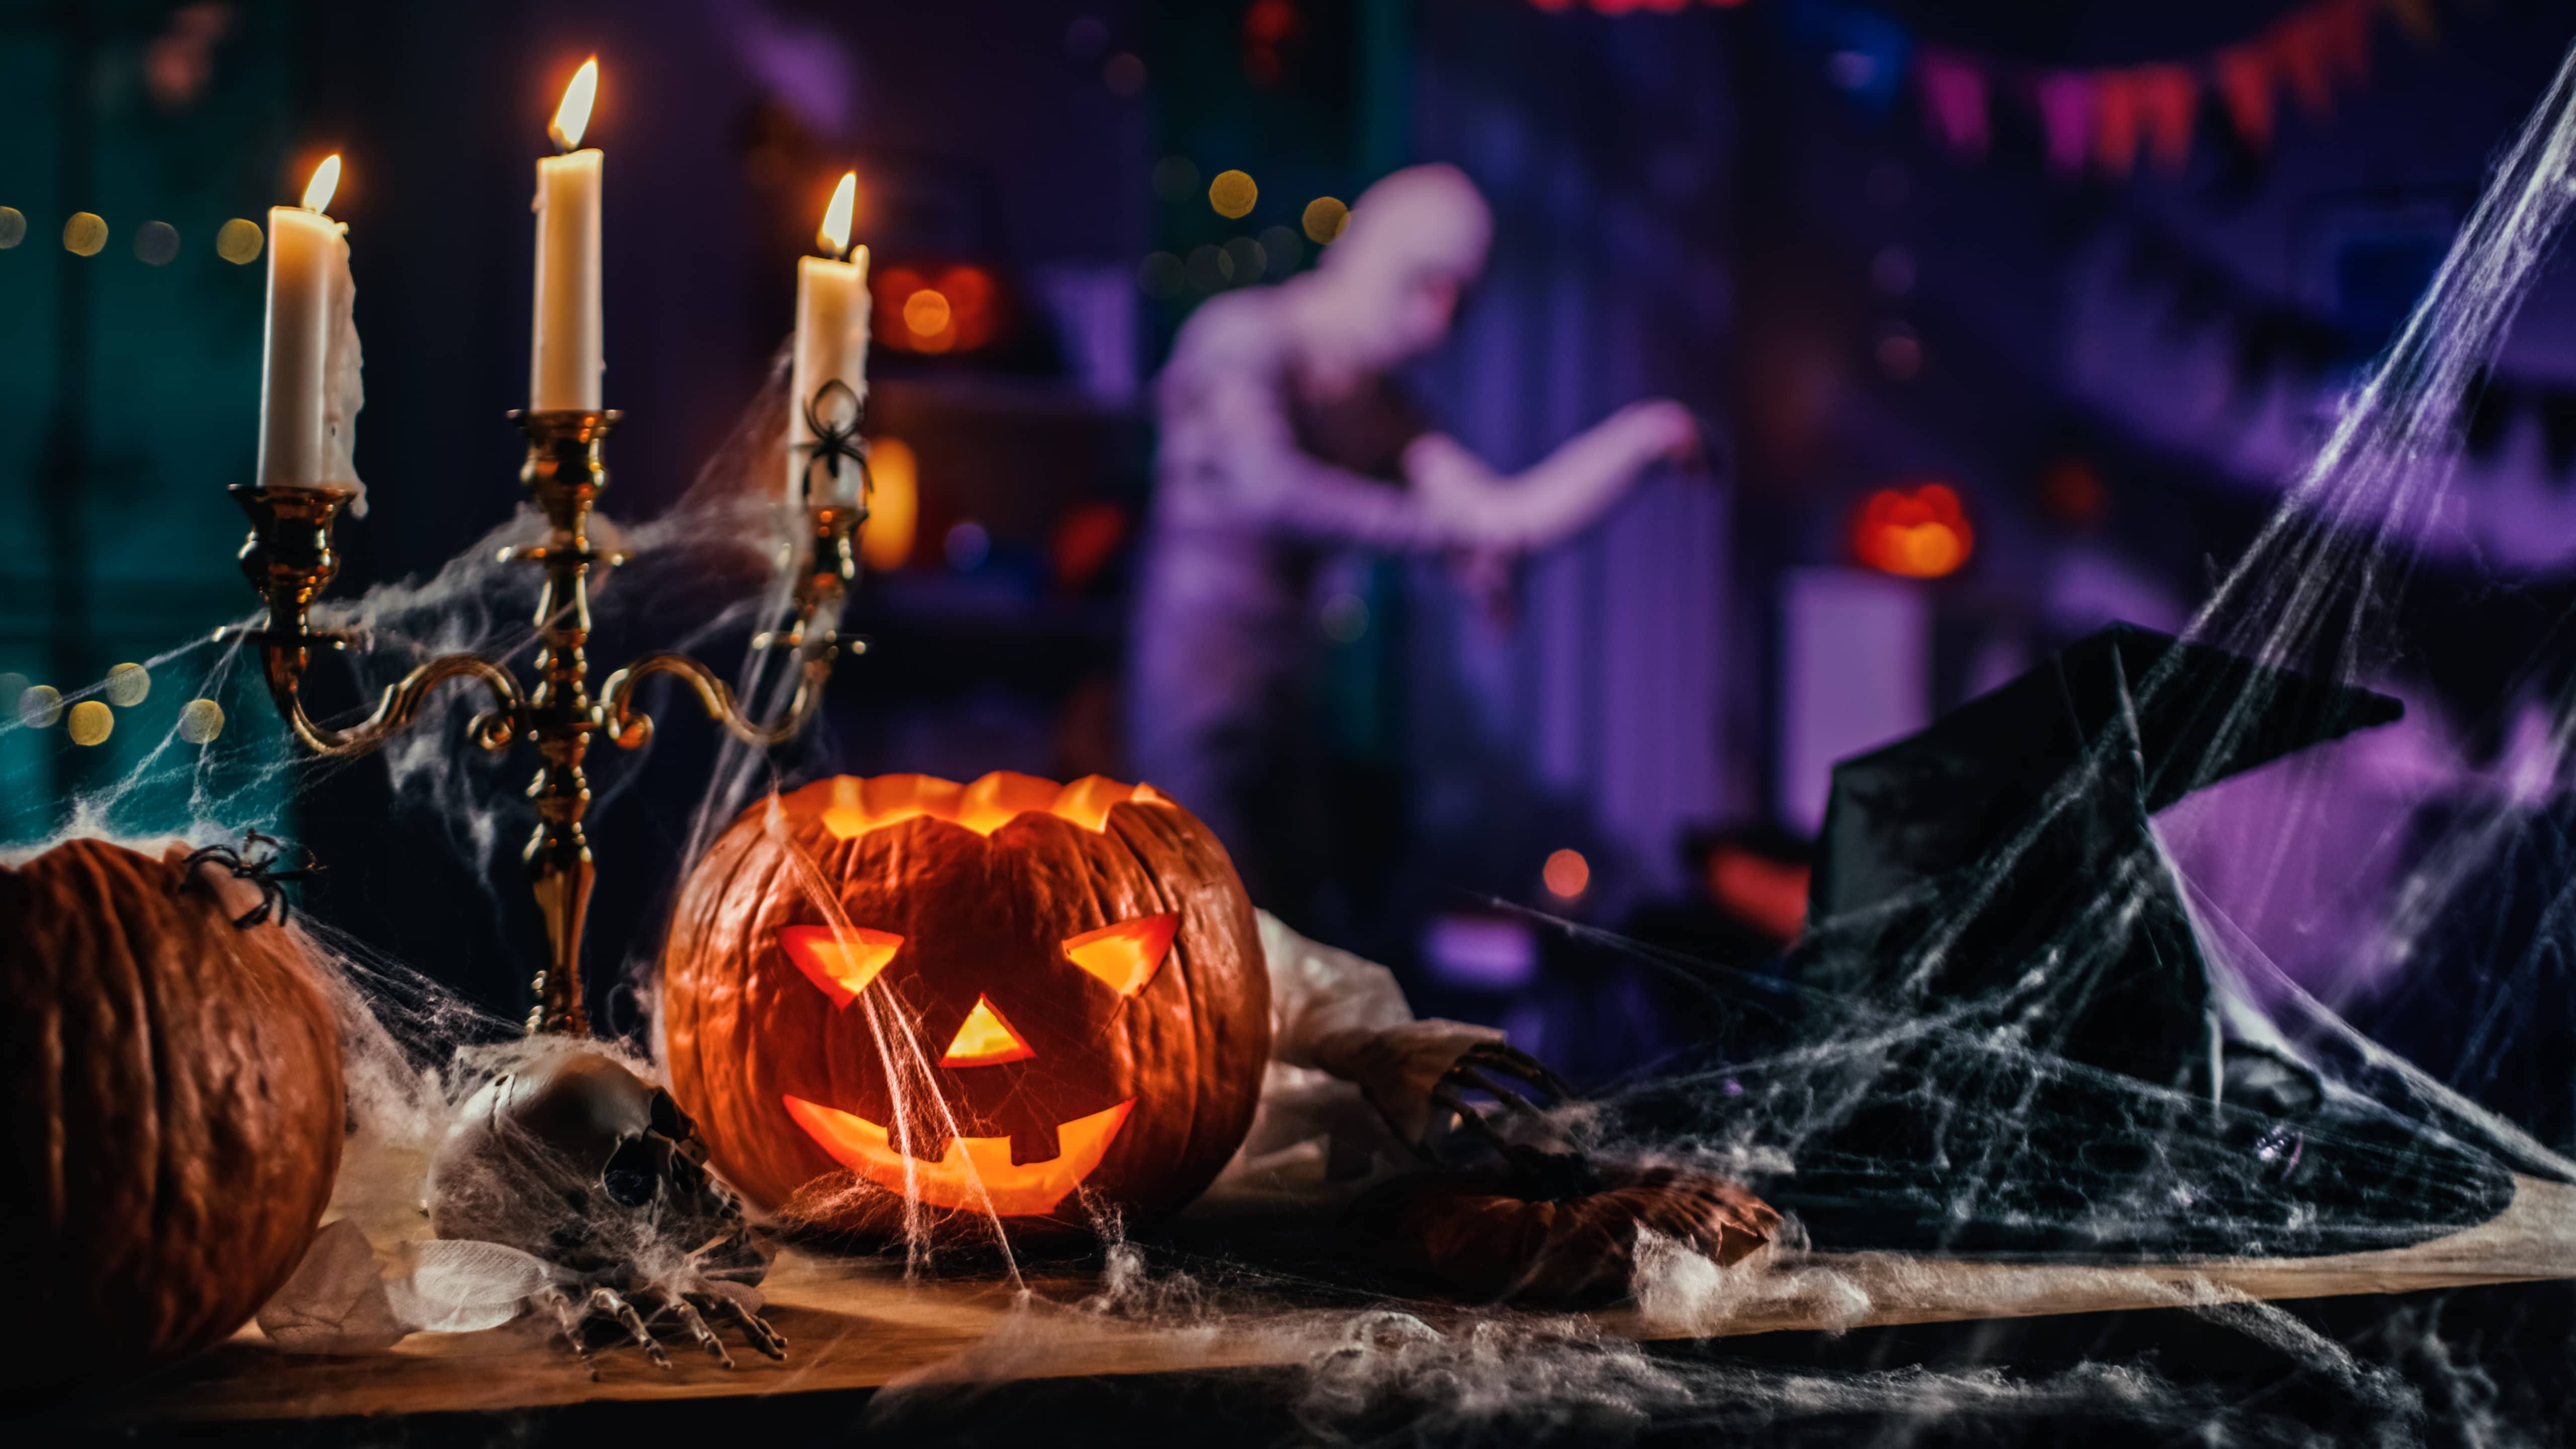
831,566
289,559
631,727
493,728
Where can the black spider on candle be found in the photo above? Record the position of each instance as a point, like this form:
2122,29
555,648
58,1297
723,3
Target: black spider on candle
835,439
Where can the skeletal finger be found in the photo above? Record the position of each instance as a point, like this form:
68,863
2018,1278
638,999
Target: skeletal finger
1446,1098
1520,1064
687,1313
568,1322
1496,1057
1514,1101
755,1329
605,1300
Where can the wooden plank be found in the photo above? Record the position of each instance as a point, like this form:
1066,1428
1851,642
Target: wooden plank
859,1324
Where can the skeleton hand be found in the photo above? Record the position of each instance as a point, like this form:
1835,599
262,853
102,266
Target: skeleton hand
577,1312
573,1161
1419,1076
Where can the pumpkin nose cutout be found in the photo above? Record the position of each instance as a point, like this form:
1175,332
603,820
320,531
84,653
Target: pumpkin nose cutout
985,1040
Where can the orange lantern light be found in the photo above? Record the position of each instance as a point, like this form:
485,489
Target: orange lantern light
1917,533
948,309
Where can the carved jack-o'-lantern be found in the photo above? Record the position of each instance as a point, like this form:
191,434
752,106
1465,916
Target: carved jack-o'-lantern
1003,998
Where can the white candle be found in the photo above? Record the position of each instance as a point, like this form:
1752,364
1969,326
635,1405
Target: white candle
832,308
564,350
309,392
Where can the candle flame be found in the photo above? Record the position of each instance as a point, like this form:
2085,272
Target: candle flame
326,180
835,235
573,116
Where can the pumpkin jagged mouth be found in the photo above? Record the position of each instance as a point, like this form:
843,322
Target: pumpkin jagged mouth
976,1173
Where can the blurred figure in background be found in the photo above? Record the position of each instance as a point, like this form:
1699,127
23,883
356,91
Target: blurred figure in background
1284,438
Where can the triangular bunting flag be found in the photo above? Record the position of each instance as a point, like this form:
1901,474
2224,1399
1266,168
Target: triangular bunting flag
2167,100
2301,45
2115,121
1954,99
2066,118
2245,84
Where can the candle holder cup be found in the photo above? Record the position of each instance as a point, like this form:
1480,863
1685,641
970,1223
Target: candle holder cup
289,560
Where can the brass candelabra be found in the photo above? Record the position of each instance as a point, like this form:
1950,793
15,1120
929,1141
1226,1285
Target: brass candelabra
289,560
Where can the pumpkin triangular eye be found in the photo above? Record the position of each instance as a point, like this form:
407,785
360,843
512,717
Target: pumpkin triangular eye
985,1040
842,960
1126,955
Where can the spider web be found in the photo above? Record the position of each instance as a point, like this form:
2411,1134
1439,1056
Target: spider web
1901,1113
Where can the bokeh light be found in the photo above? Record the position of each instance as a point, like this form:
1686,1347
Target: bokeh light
1123,74
1324,219
2072,492
40,706
200,721
1233,194
1161,276
13,227
957,310
1345,618
1917,534
239,241
1086,539
156,243
1282,248
1209,269
1567,874
1249,262
967,546
926,313
85,234
91,723
128,685
1892,271
1900,354
894,505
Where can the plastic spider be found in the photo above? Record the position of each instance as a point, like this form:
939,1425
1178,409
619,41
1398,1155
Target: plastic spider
262,872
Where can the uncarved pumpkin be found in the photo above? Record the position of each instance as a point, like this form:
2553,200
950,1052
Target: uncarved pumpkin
173,1112
1006,998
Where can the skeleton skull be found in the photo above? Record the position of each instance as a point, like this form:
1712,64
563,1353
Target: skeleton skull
578,1161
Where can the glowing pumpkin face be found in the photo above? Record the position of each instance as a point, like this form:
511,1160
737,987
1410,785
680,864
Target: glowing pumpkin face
1000,998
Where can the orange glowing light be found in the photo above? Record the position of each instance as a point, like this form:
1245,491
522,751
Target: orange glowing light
1125,956
1917,534
859,806
834,237
975,1172
955,309
324,185
573,116
840,960
927,314
1086,539
985,1040
1566,874
894,504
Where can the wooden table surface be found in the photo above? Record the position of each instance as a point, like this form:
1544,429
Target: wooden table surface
860,1324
